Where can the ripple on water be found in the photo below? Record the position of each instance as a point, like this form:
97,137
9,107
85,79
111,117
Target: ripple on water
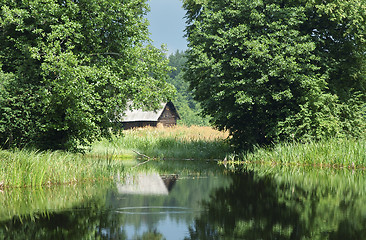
151,210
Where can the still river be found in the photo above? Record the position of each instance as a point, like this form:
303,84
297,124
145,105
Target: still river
194,200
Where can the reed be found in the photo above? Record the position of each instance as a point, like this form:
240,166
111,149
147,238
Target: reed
26,168
334,152
179,142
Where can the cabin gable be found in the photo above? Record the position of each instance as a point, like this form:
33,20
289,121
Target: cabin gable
169,116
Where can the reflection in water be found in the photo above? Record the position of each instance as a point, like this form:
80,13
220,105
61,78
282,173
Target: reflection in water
251,203
164,204
286,203
65,212
147,184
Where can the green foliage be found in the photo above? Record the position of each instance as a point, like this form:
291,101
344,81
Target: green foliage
67,67
274,70
188,109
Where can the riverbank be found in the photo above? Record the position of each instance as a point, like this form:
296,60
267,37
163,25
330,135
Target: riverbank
332,153
106,158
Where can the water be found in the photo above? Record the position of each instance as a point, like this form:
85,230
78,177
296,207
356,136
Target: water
190,200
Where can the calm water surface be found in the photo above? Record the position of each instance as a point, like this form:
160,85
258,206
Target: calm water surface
194,200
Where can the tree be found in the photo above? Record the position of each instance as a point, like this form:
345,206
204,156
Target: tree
189,109
273,70
67,68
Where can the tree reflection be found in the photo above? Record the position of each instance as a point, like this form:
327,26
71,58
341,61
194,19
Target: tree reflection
82,222
249,207
256,203
90,212
259,205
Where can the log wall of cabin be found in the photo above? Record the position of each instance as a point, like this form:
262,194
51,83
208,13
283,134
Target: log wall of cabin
138,124
167,118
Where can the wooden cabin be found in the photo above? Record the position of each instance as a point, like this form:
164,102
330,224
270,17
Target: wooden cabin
166,115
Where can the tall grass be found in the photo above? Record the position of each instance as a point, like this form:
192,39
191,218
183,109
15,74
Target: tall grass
335,152
25,168
179,142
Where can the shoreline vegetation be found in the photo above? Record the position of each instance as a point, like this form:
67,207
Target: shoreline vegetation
338,153
26,168
107,158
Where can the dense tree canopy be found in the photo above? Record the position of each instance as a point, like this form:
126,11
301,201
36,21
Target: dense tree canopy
67,67
271,70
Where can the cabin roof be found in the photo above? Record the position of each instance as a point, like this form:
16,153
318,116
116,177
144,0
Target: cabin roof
135,115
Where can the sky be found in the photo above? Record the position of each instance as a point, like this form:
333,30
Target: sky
167,24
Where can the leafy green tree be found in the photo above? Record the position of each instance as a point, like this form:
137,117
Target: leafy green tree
273,70
188,108
178,61
67,68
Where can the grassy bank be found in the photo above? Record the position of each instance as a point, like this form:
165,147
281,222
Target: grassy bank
177,142
24,168
337,153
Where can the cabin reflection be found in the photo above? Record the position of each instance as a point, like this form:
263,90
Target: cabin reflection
147,184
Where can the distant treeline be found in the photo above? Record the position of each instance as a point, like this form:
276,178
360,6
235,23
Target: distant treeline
188,108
